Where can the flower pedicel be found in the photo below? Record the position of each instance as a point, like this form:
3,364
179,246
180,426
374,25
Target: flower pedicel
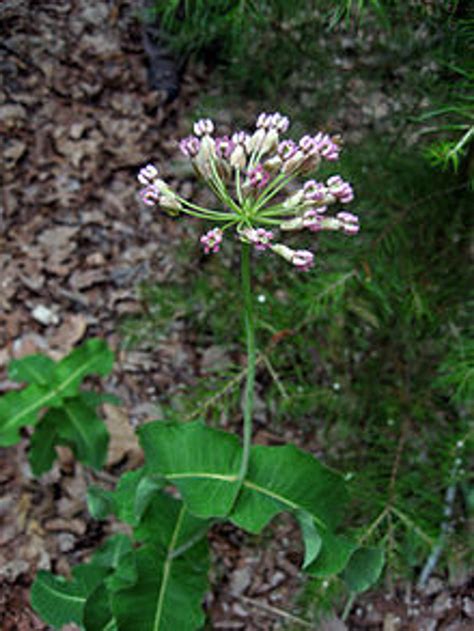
250,174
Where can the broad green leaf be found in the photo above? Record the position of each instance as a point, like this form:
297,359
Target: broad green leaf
18,409
286,478
94,399
98,614
125,574
130,499
333,556
159,521
134,492
42,452
168,594
114,556
170,587
84,432
364,568
59,601
74,425
93,357
37,369
202,462
112,552
311,537
100,503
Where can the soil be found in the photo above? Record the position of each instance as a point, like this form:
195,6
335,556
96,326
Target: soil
78,119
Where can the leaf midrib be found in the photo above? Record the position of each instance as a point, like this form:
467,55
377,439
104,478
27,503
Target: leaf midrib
167,569
50,395
81,430
246,484
55,592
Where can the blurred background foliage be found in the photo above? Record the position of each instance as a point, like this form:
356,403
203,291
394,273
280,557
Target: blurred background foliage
372,353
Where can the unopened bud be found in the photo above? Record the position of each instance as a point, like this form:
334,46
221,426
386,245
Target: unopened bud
203,127
238,158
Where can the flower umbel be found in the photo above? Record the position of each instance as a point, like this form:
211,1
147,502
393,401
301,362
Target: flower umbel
251,175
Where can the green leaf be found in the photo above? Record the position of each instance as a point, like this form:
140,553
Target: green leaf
98,614
333,557
286,478
93,357
110,554
134,492
18,409
158,524
94,399
82,431
100,503
42,452
312,539
59,601
169,589
364,568
118,556
37,369
74,425
202,462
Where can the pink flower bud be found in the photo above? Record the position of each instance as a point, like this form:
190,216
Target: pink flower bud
279,123
327,147
287,149
147,174
349,223
150,195
240,137
262,120
312,220
301,259
340,189
259,237
258,177
190,146
314,191
224,147
211,240
203,127
308,144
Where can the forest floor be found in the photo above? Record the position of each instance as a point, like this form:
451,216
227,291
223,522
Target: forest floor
78,120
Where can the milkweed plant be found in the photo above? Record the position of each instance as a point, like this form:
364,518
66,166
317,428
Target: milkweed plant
194,476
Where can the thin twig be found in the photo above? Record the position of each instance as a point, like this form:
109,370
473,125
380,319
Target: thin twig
449,498
412,525
276,611
275,377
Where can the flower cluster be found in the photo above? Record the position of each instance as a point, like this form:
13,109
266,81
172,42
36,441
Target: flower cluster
251,174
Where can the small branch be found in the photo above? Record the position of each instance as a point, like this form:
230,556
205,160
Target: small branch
411,524
449,498
276,611
275,377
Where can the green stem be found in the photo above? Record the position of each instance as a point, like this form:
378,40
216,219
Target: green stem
249,325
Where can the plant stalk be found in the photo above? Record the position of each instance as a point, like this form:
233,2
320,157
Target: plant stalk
249,327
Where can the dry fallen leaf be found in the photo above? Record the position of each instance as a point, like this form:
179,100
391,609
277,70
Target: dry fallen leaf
69,333
123,441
